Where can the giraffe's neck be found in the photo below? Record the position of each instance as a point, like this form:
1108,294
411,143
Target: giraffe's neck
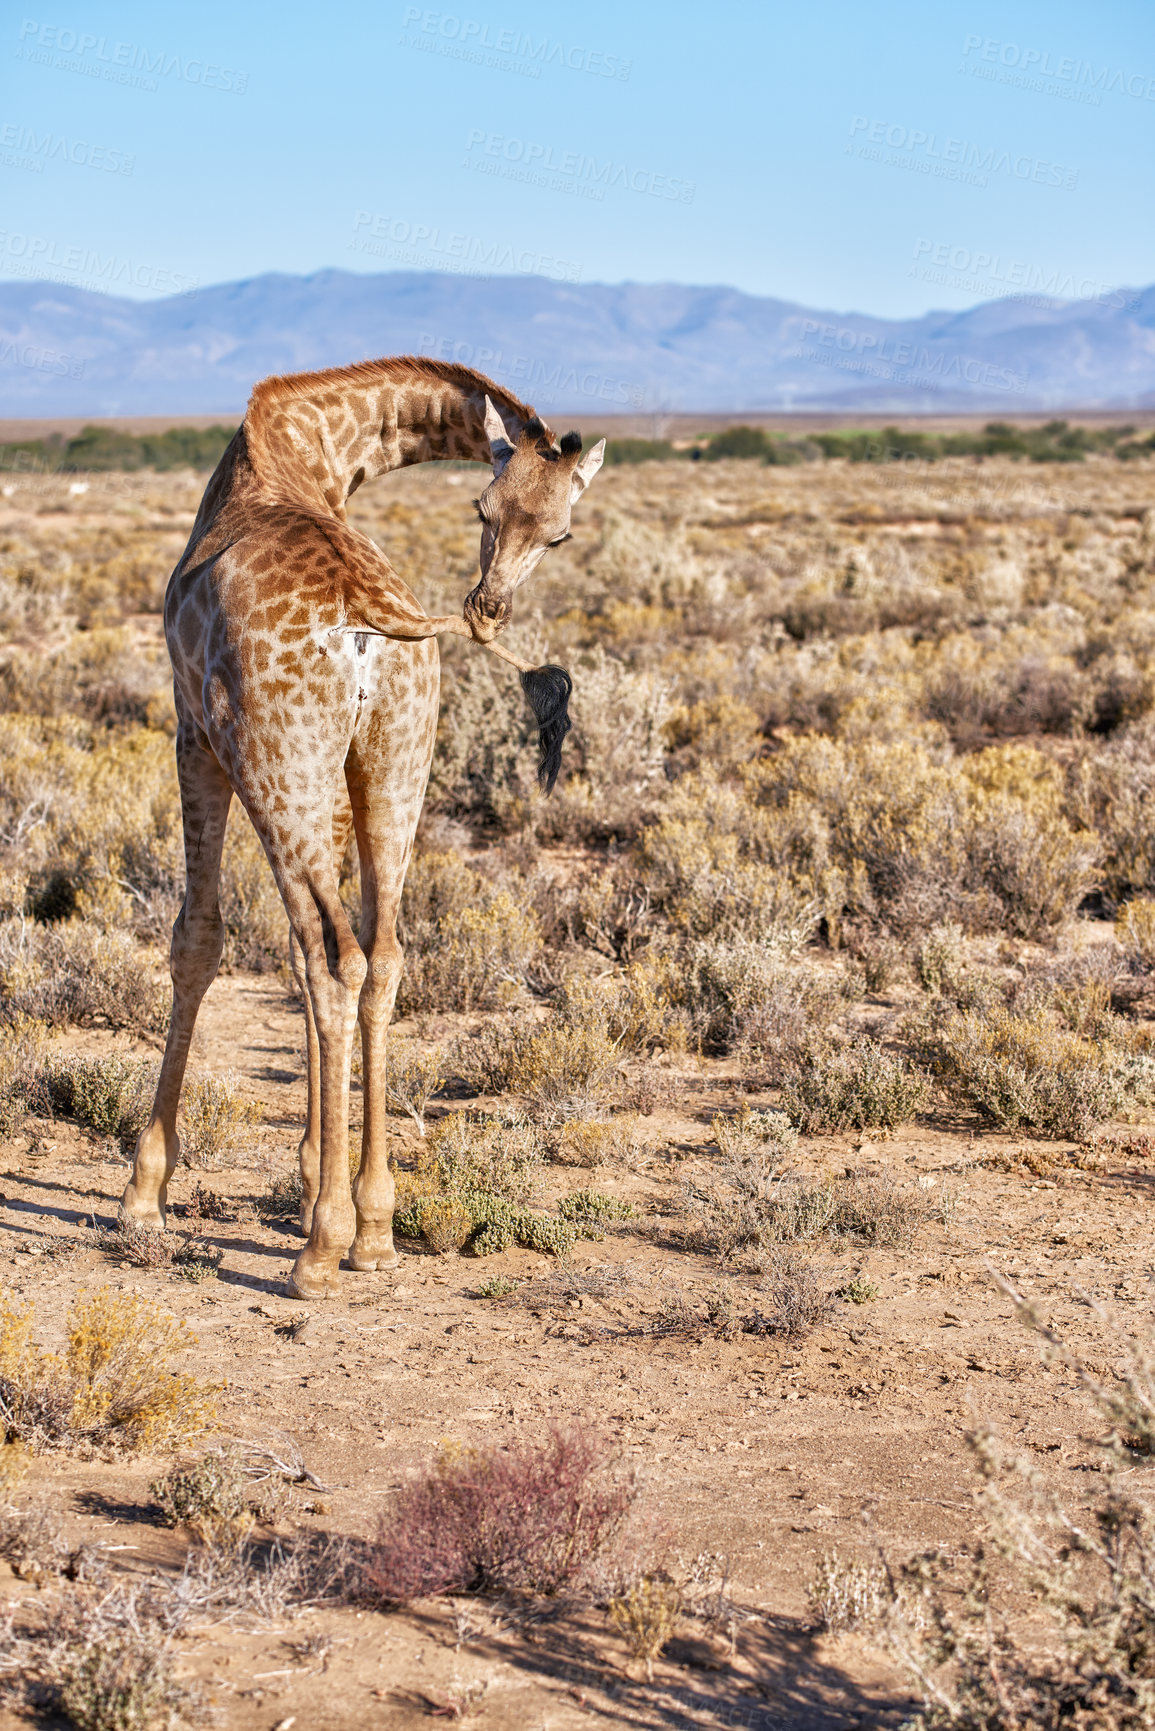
315,437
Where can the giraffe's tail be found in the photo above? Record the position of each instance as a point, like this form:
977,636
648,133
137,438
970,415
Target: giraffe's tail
548,690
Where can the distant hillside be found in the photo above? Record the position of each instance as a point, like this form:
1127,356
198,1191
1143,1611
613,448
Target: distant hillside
594,348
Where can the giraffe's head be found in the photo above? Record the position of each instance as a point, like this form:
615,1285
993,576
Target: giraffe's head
524,510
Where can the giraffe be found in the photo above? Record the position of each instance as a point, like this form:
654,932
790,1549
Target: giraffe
301,661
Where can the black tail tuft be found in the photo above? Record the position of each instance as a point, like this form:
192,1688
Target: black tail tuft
548,690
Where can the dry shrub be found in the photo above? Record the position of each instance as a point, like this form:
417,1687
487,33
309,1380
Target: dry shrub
446,1223
479,1151
263,1582
646,1613
205,1204
216,1120
1112,791
529,1518
23,1049
845,1596
468,945
561,1069
470,1186
750,1136
953,1622
873,1209
593,1142
941,957
793,1298
14,1463
641,1009
915,840
748,1204
130,1242
108,1664
412,1077
112,1096
704,864
738,1203
33,1545
1135,930
745,995
858,1086
1022,1070
76,973
209,1496
281,1197
111,1388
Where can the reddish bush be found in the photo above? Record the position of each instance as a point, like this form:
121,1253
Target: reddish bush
531,1518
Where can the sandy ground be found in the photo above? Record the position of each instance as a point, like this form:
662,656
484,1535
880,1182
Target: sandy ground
755,1456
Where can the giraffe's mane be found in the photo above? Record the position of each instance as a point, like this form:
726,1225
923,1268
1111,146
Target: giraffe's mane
281,388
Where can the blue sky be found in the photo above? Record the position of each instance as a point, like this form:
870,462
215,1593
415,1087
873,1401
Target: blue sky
885,159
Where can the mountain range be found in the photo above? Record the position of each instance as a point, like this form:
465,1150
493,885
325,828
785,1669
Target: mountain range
595,348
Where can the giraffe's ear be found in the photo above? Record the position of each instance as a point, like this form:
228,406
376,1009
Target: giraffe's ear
500,444
584,472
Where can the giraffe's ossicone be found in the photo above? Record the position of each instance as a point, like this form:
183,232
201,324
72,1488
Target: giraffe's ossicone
306,679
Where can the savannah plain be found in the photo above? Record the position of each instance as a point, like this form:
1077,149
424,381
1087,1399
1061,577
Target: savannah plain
810,1021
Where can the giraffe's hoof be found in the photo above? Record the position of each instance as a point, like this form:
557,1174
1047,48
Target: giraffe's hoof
365,1262
314,1282
135,1208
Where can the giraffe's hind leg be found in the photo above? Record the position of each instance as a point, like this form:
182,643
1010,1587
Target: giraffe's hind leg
387,770
197,941
309,1149
334,968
